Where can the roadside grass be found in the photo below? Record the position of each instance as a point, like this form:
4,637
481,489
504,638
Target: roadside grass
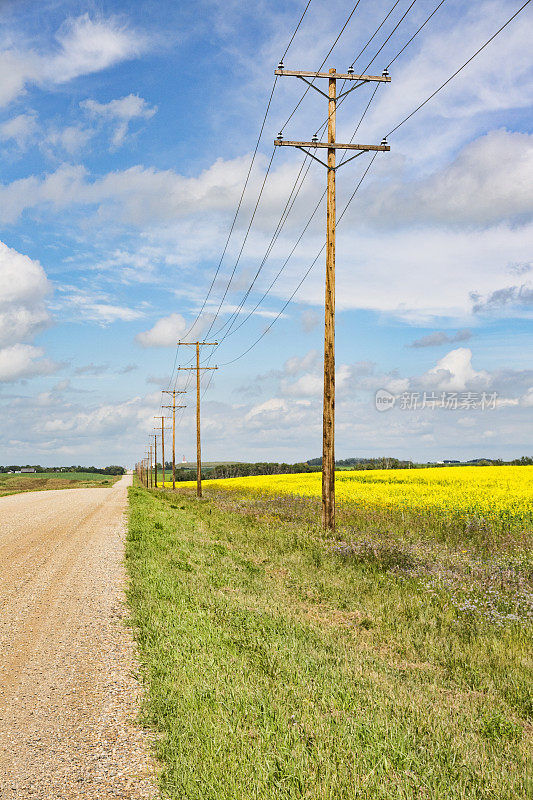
279,665
35,482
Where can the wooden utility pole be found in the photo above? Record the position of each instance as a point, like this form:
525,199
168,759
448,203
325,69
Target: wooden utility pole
198,439
150,478
328,417
162,418
173,392
155,459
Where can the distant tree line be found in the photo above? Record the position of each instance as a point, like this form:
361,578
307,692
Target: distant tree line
239,470
368,463
114,469
395,463
243,470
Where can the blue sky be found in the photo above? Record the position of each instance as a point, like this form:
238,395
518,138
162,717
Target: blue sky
126,132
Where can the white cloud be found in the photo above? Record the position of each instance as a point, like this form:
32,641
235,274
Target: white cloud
489,181
23,291
306,385
106,418
272,409
21,129
454,372
70,139
23,361
165,333
124,110
96,307
83,45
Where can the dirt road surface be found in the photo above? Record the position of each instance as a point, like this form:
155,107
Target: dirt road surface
68,696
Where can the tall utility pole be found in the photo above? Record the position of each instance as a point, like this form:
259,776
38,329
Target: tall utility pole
173,392
198,440
150,466
328,423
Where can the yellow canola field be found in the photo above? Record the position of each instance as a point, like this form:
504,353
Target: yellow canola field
501,496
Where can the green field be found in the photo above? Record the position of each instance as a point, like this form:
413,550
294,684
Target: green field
279,663
39,481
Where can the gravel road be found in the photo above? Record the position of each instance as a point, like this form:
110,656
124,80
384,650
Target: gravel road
68,696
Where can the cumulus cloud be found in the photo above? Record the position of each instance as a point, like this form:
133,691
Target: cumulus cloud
123,111
24,288
24,361
454,372
489,181
165,333
83,45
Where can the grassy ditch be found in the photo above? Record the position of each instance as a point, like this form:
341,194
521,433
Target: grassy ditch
35,482
281,664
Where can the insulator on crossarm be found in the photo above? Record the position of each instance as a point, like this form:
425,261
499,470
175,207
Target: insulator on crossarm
280,65
384,142
314,138
350,70
280,136
385,73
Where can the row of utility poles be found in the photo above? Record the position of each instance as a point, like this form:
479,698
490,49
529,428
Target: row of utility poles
147,468
312,149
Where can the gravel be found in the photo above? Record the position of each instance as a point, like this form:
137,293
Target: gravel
68,692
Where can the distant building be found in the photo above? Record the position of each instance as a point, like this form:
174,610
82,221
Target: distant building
28,469
183,460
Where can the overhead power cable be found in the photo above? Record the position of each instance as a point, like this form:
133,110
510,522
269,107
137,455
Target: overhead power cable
365,173
268,170
468,61
319,131
243,190
457,71
298,104
280,225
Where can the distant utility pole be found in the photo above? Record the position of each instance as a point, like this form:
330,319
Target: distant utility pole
150,466
162,418
155,459
173,392
198,440
328,424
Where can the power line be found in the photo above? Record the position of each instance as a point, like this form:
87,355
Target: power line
269,103
279,227
297,106
305,274
391,34
268,170
226,290
235,313
416,33
296,30
372,160
431,96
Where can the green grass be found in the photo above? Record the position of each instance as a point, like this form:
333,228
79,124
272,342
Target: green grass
39,481
277,667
